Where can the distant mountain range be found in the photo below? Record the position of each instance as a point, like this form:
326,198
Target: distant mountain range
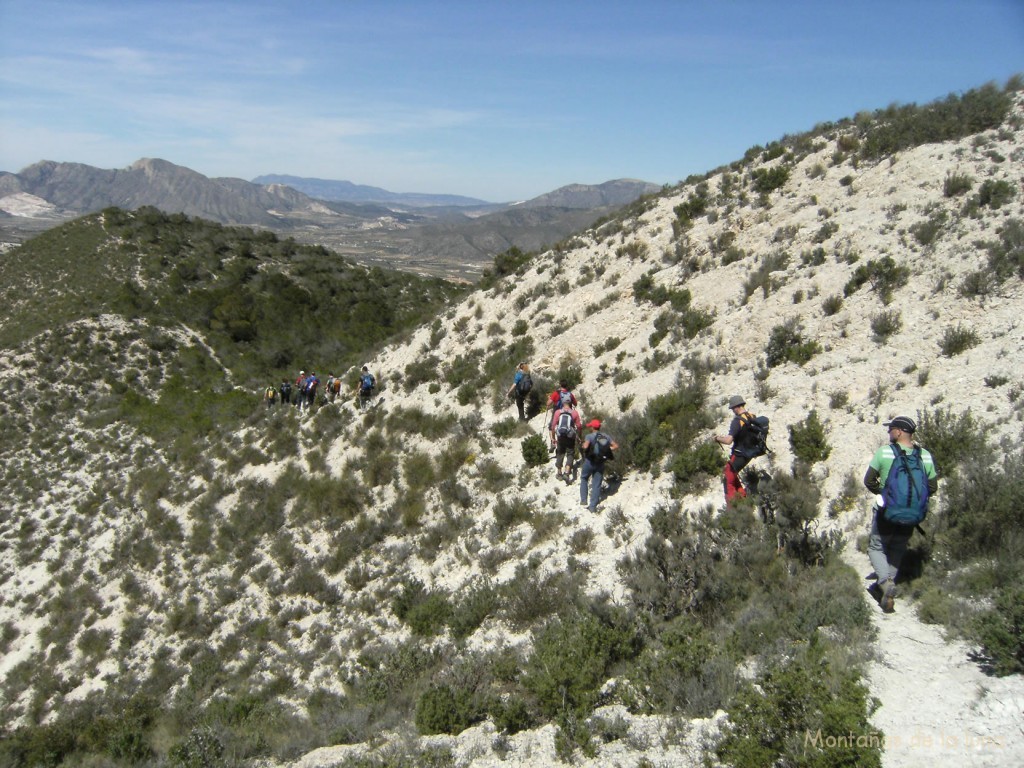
347,192
436,233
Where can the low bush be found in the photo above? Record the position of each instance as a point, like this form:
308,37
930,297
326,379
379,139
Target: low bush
1006,255
830,305
571,660
808,441
1000,630
957,340
957,184
762,276
803,712
885,276
770,179
786,344
535,451
995,193
886,323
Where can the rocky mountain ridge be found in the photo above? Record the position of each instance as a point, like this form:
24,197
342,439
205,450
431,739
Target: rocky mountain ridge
444,235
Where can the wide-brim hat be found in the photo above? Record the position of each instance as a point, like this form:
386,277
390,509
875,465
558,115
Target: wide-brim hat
736,400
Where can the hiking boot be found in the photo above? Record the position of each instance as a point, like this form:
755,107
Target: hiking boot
888,588
876,592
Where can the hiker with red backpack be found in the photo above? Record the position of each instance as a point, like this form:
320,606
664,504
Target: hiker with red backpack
565,429
561,397
903,477
747,435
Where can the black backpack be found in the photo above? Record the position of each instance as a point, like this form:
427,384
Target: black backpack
600,448
752,440
524,385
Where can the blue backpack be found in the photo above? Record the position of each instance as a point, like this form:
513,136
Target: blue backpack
906,488
367,383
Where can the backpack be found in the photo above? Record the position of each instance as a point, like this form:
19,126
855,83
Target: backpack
270,394
752,440
566,428
524,385
367,382
564,398
600,448
906,488
286,387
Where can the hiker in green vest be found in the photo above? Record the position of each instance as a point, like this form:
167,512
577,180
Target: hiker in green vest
902,475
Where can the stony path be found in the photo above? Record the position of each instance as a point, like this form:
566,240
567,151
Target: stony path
938,708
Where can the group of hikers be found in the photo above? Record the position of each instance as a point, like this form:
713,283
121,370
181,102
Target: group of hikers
304,390
566,438
901,474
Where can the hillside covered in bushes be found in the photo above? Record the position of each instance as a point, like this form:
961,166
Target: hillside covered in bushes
191,578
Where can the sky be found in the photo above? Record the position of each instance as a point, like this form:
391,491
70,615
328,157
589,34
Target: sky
500,101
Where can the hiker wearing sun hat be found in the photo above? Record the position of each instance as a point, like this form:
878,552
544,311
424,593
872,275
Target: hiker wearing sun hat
737,461
903,477
597,449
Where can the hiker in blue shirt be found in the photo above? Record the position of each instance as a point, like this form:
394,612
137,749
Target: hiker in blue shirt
597,449
521,386
367,383
887,542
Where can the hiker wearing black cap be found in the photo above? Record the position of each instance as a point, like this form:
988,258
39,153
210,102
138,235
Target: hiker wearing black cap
737,461
902,475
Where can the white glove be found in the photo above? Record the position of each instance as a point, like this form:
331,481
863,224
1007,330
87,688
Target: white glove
880,501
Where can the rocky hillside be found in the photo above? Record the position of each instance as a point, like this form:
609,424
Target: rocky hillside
410,585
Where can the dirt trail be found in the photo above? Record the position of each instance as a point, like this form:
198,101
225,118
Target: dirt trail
938,708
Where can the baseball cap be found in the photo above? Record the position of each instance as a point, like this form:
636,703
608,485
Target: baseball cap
901,422
594,424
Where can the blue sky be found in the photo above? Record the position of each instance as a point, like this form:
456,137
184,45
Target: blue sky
496,100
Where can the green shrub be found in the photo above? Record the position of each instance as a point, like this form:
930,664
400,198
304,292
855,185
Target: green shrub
571,658
1000,631
830,305
995,193
1006,255
769,179
470,609
957,340
885,276
510,513
425,611
786,344
535,451
927,231
956,184
803,712
900,127
702,461
442,709
952,438
808,441
886,323
762,276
